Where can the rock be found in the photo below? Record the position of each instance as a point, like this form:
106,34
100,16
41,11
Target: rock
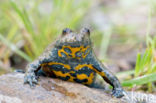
50,90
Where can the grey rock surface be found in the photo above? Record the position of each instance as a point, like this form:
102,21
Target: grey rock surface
49,90
12,90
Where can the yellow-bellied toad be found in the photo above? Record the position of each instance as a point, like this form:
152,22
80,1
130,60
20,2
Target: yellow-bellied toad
71,58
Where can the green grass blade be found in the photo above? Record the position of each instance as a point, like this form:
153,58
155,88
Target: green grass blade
23,17
140,80
137,67
14,48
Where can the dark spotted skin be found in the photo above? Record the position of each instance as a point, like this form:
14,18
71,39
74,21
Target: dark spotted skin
71,58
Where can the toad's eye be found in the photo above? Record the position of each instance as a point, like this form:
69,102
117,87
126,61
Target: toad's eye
85,31
66,31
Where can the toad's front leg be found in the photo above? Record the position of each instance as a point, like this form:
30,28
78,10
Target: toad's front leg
109,78
30,76
32,68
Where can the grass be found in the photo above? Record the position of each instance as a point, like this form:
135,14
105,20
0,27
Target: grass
36,28
14,48
145,69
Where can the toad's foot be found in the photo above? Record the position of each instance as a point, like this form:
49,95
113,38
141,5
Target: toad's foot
118,92
31,79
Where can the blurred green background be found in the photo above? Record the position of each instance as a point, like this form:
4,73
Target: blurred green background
123,33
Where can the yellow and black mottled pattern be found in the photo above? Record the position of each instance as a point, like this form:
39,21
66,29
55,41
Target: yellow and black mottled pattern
74,52
82,73
79,72
74,65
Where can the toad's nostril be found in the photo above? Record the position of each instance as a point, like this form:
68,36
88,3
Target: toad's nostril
66,31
